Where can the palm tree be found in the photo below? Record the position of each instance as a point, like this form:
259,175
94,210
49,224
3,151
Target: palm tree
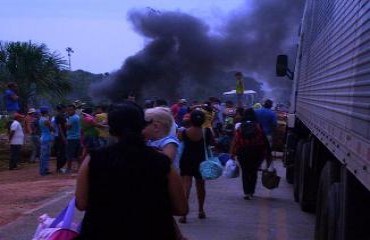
39,73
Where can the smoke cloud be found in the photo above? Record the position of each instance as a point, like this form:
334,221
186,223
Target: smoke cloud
184,58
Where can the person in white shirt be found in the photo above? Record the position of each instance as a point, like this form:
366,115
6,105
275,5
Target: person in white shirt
16,140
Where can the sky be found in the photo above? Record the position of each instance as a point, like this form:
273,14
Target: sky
97,30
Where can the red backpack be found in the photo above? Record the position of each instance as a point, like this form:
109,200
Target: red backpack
250,134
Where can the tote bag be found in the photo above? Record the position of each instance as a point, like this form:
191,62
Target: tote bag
211,168
270,179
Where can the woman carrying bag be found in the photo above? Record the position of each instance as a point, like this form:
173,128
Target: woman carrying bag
192,156
128,190
250,147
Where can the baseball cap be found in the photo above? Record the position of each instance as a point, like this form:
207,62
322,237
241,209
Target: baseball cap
31,110
78,103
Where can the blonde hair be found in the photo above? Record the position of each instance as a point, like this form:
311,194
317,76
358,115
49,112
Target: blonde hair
162,115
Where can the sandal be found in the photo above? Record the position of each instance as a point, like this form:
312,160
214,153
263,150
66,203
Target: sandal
201,215
182,219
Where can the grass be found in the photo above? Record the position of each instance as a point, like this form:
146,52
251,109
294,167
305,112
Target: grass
3,125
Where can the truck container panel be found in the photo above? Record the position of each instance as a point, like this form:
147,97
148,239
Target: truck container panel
333,88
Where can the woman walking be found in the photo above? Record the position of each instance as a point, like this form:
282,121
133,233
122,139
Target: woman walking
249,147
193,154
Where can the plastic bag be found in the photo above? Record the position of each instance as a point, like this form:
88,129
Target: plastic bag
59,228
231,169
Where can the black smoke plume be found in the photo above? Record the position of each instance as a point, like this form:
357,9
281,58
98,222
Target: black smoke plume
184,58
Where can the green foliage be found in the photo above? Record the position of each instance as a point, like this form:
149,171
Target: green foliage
3,125
81,80
37,71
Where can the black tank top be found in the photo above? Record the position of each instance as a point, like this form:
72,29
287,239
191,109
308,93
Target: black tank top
128,195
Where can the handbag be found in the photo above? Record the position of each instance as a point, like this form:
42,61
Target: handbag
231,169
59,228
270,179
211,168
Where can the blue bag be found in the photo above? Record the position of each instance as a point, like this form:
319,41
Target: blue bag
224,157
211,168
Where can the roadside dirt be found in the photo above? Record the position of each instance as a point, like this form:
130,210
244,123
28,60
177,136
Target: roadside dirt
24,189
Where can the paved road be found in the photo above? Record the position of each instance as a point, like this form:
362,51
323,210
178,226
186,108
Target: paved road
271,215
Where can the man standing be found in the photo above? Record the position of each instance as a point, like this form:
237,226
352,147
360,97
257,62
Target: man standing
73,136
45,141
267,118
102,120
239,88
16,140
12,98
60,137
33,132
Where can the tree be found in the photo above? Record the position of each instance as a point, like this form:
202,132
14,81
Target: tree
39,73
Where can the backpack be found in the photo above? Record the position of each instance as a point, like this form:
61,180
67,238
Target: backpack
248,129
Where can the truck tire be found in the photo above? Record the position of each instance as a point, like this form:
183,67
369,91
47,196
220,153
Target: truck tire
335,211
305,185
322,204
357,209
289,156
289,174
297,167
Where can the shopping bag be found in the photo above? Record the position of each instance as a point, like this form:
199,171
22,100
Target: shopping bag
59,228
231,169
270,179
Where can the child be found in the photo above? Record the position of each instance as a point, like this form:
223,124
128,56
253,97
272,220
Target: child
157,132
159,135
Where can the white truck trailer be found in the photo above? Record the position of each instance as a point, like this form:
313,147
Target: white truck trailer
327,153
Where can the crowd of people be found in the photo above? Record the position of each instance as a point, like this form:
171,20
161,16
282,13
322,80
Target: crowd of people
134,158
144,163
69,132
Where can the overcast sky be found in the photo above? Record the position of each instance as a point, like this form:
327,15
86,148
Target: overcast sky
97,30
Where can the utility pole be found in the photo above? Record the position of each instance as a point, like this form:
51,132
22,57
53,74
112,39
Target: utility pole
69,51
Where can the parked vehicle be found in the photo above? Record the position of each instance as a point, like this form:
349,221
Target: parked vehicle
327,152
248,99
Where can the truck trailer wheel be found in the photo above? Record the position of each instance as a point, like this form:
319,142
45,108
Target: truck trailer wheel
335,212
297,162
289,174
305,185
290,157
322,204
